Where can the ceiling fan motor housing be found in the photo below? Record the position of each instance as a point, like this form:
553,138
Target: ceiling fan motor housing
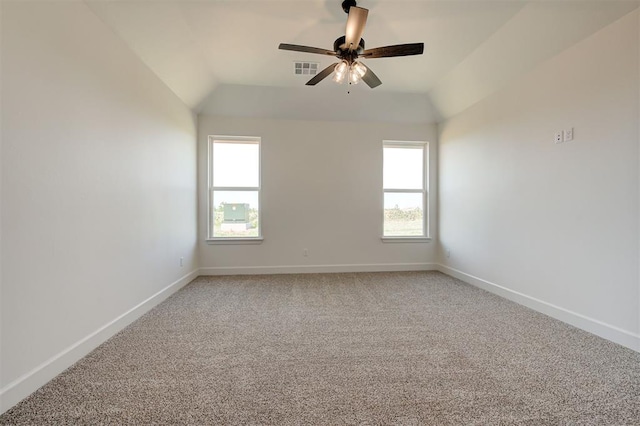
346,54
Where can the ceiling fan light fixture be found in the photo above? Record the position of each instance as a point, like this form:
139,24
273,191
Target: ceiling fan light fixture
359,69
354,78
341,71
356,72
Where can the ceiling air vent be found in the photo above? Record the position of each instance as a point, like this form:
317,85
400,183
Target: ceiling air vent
305,68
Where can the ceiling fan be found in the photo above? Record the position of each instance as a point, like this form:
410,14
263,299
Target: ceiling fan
350,47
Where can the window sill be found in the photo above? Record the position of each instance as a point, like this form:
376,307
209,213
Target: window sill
214,241
405,239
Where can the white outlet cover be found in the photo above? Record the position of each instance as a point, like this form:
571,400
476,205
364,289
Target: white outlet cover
558,137
568,135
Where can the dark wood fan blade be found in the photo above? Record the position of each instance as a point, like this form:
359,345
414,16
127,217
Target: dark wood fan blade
355,27
322,75
371,79
397,50
306,49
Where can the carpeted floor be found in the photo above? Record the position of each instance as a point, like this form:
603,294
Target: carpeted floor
371,348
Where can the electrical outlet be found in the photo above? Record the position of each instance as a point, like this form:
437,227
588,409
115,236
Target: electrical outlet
558,137
568,134
448,253
305,252
181,262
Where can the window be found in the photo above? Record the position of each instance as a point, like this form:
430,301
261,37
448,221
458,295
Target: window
405,190
234,188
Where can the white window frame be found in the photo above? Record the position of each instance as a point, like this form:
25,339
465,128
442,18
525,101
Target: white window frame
426,237
211,239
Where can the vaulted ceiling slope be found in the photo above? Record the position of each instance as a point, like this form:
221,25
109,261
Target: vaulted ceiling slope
206,51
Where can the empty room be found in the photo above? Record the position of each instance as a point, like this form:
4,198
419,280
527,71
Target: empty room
319,212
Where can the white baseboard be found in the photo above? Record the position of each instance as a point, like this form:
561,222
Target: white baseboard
25,385
594,326
312,269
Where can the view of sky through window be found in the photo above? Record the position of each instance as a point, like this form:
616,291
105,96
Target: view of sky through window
236,164
403,168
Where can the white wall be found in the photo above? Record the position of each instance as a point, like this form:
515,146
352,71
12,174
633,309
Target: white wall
322,190
98,189
327,101
555,225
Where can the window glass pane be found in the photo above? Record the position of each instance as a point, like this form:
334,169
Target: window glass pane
236,164
235,214
403,215
403,167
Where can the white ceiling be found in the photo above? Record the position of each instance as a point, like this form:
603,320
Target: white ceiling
472,47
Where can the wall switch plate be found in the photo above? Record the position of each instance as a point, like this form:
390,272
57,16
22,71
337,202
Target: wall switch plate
558,137
568,134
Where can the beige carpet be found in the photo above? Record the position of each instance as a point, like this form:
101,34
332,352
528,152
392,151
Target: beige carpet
372,348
